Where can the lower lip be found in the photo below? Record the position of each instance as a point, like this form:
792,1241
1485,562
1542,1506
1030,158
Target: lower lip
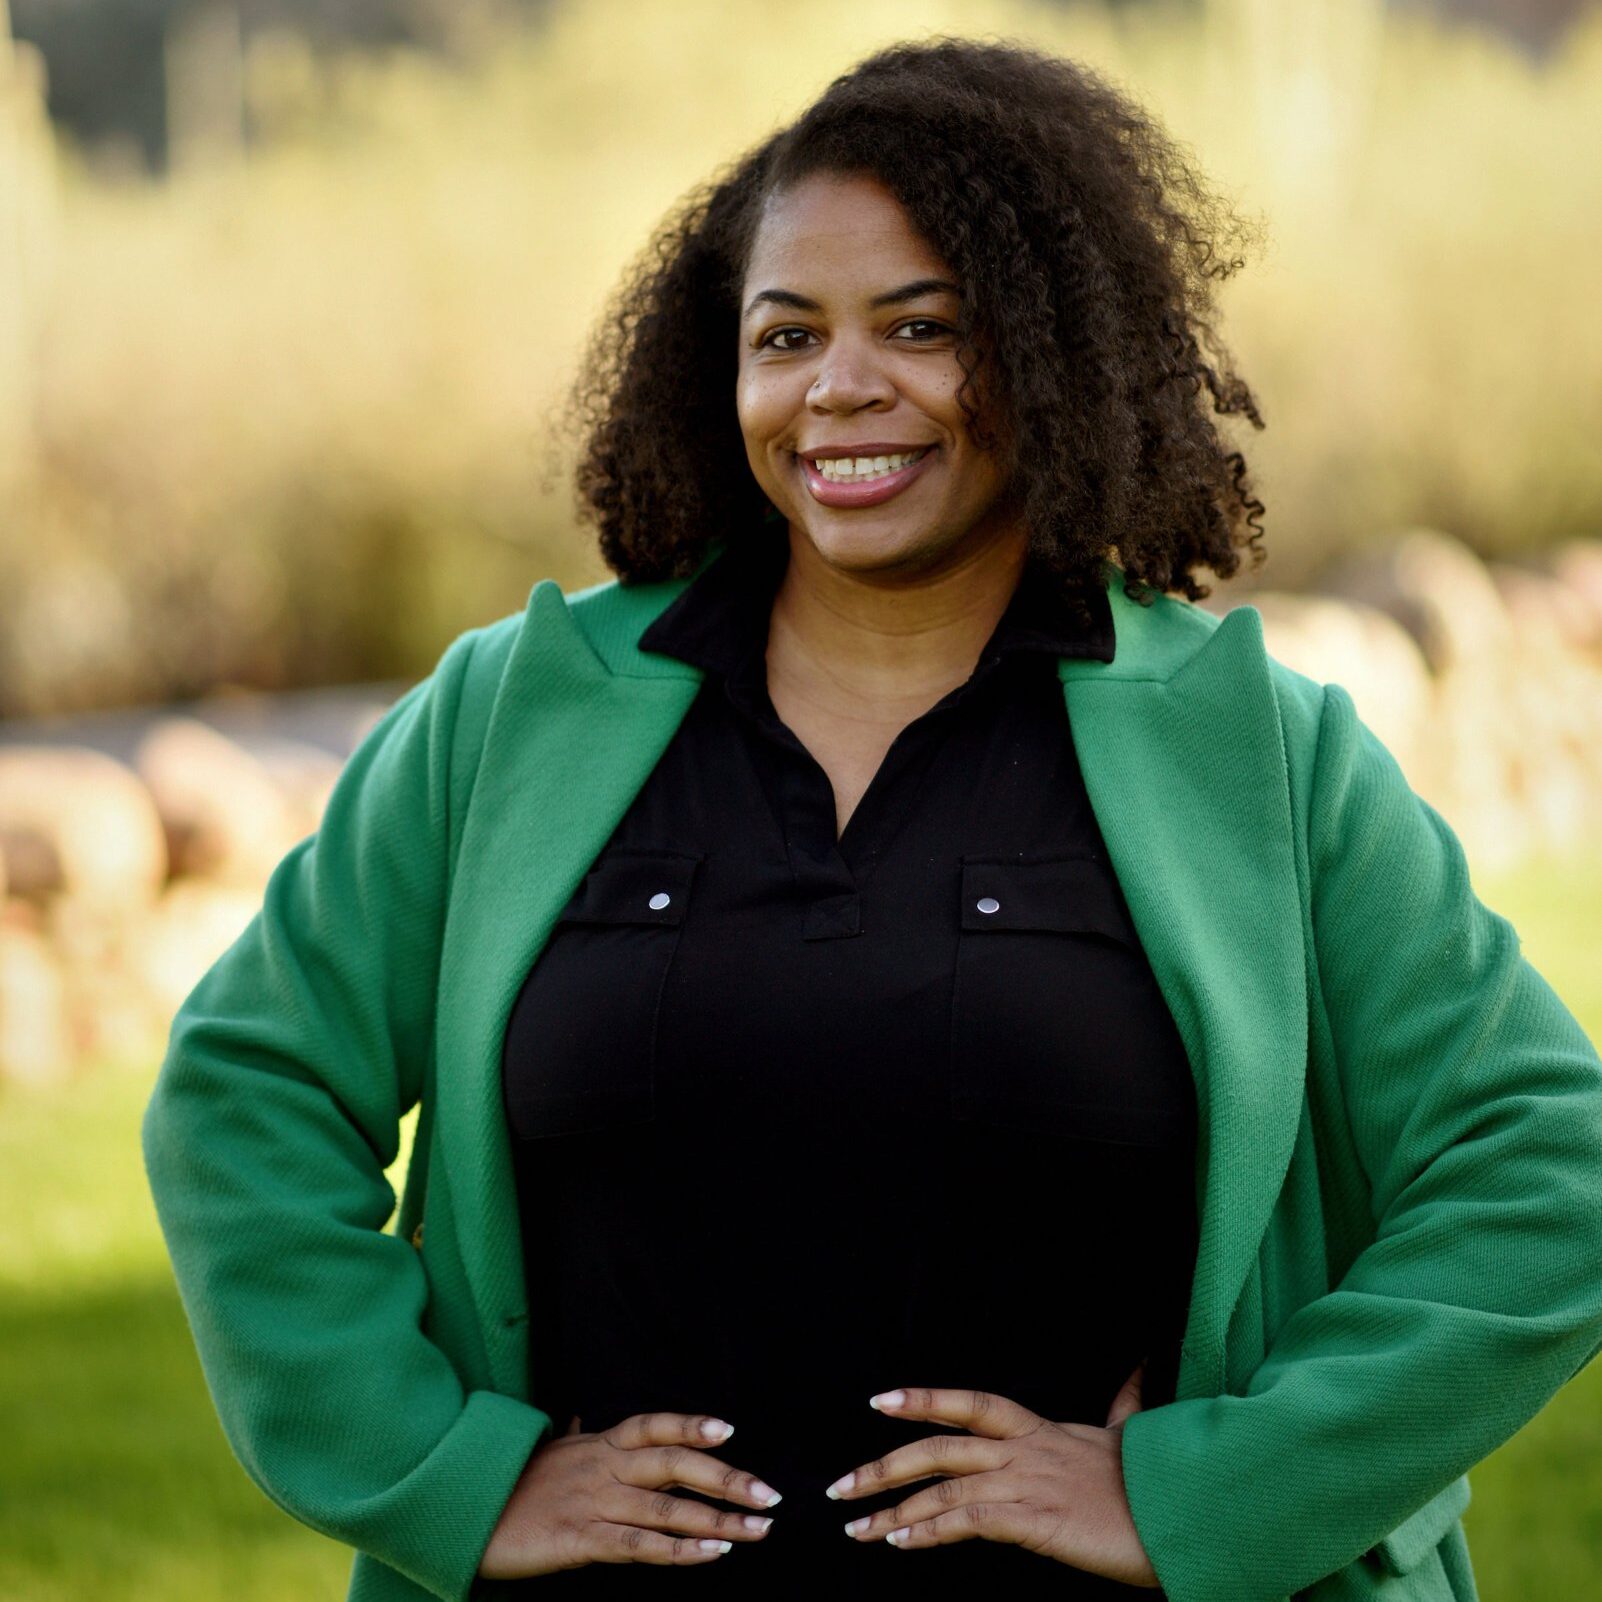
827,493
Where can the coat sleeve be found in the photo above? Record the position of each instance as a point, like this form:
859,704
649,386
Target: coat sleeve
274,1116
1475,1105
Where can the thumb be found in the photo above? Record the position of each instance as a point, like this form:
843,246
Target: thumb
1127,1401
573,1427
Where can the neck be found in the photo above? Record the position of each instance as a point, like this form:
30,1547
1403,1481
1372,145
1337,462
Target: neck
878,642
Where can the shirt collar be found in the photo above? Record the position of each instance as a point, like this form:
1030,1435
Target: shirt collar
721,618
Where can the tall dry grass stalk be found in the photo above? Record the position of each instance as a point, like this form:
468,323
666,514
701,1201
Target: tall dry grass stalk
26,193
284,415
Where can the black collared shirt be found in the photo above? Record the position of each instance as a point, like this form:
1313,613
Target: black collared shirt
798,1119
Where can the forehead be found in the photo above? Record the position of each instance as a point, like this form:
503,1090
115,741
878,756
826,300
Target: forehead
848,230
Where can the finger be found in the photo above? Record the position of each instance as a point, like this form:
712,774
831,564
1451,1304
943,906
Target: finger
935,1454
628,1543
941,1497
657,1510
573,1427
983,1412
1009,1522
1127,1400
657,1466
667,1429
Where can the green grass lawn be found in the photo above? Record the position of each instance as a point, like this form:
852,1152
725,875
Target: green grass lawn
116,1483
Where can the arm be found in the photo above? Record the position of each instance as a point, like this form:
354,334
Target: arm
274,1116
1475,1102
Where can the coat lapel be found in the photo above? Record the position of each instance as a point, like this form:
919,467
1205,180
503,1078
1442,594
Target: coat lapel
1183,757
569,744
1181,750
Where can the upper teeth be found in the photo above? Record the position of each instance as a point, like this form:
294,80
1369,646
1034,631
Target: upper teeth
851,467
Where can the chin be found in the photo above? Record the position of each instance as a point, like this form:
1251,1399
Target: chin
862,546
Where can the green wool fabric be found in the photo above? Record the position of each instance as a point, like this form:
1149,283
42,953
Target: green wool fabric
1399,1169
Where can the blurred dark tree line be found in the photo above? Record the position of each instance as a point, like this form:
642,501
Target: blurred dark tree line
107,72
107,58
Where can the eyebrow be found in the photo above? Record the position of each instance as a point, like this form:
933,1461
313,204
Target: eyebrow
891,297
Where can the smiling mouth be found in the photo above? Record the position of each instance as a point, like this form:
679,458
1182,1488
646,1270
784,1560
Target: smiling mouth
853,482
865,469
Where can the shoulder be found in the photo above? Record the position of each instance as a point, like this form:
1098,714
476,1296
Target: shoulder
1301,701
439,724
607,618
1183,632
471,669
479,656
1336,766
461,687
1219,662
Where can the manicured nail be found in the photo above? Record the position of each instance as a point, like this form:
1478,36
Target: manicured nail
714,1546
714,1429
857,1526
754,1521
896,1537
841,1486
887,1399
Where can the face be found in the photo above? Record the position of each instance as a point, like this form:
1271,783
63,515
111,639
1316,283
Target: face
848,381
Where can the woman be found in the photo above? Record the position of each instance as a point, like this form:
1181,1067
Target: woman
886,978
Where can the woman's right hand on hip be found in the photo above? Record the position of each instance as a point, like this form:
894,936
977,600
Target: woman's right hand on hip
603,1498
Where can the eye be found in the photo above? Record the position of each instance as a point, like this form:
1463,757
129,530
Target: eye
932,329
768,340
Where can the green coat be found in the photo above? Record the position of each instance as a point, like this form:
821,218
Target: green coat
1399,1171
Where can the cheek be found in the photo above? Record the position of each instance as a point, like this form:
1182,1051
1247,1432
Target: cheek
759,403
933,391
761,420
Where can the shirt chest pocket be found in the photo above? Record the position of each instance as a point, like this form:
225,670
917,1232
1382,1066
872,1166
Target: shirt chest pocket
581,1041
1058,1026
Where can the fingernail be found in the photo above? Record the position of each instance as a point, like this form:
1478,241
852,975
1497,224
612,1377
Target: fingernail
714,1429
754,1521
857,1526
887,1399
714,1546
841,1486
765,1494
896,1537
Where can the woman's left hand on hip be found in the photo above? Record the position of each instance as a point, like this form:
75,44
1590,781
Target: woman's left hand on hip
1057,1489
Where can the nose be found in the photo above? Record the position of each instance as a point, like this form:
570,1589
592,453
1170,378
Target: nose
849,379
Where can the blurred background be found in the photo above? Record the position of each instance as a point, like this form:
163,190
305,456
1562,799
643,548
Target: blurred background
290,295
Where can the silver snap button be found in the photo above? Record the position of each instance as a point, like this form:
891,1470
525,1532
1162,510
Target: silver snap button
988,904
659,900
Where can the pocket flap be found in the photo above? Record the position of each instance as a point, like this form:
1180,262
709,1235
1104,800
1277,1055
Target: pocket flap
1072,895
1418,1535
650,887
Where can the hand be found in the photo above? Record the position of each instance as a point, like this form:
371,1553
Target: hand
602,1499
1057,1489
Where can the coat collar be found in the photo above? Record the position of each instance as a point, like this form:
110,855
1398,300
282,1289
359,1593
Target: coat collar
719,622
1181,748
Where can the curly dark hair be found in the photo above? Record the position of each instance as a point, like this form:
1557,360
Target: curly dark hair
1085,246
